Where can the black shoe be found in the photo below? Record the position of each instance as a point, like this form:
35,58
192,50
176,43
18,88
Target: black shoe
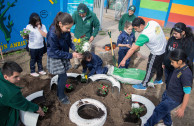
65,100
76,66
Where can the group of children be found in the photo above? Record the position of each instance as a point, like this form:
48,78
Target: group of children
179,79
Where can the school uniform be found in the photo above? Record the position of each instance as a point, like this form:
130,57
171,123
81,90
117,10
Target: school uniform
36,47
95,66
173,44
58,57
125,38
172,97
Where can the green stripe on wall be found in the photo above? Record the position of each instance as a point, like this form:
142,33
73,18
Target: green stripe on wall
155,5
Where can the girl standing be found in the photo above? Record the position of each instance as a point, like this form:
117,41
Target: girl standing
181,38
36,46
178,90
125,40
58,44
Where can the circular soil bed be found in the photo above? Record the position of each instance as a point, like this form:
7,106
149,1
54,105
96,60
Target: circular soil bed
58,114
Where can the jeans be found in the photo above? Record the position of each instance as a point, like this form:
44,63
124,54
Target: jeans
121,56
162,111
62,79
36,57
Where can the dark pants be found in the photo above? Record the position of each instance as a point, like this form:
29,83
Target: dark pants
36,57
167,74
154,65
162,111
62,79
99,70
121,56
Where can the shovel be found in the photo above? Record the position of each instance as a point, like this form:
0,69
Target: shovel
113,56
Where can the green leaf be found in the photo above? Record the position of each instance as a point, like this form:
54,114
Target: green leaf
8,3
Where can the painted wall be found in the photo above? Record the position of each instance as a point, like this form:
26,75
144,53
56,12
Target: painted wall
166,12
15,15
181,11
154,10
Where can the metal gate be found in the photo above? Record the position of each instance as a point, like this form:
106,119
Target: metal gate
98,8
120,8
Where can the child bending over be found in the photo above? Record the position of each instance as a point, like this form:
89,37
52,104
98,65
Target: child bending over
93,63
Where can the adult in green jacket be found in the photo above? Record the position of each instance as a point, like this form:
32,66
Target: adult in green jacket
11,98
86,24
127,17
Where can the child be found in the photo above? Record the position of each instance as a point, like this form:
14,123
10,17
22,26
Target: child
58,44
181,38
93,63
125,40
179,88
36,45
11,98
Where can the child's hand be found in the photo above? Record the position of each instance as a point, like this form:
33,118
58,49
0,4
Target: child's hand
39,26
180,112
40,111
77,55
128,46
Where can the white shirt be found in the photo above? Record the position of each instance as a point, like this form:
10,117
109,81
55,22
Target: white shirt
35,37
155,36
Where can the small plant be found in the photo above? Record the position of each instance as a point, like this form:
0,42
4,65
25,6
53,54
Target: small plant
128,96
69,86
137,111
103,88
45,109
24,32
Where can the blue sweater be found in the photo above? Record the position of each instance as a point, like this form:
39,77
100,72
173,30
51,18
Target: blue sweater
93,64
58,48
125,38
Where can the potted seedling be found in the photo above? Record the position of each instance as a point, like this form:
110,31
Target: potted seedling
102,90
25,33
84,78
69,88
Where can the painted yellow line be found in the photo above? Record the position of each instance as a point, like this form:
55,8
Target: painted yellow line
182,9
51,1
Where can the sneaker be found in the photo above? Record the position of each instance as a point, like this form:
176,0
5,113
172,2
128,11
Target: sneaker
156,82
42,72
76,66
139,87
34,74
65,100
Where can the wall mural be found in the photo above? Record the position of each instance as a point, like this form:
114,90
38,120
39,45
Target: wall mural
6,28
